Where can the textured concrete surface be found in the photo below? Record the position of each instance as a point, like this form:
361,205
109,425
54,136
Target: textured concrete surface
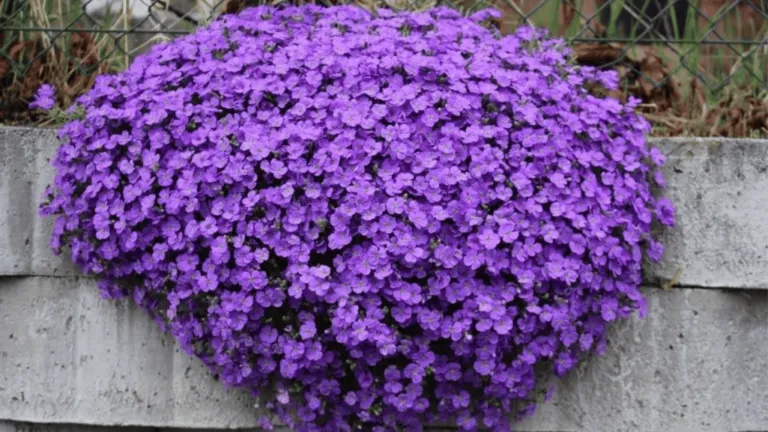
698,363
69,356
49,427
719,186
25,172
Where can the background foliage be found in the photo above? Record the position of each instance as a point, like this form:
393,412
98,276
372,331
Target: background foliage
700,66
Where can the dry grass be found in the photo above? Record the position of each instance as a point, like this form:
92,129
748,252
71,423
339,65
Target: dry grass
69,61
678,106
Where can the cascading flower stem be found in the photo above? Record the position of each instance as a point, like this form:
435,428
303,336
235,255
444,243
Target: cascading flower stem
381,221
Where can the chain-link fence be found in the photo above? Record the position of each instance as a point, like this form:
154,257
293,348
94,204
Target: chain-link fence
663,50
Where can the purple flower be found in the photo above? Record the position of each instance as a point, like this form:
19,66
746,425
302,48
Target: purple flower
337,208
483,367
665,212
657,156
350,398
488,238
45,98
307,330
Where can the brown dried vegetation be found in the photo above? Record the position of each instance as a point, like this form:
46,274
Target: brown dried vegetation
676,108
30,63
673,101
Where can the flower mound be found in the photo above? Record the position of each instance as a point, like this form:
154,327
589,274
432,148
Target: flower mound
380,221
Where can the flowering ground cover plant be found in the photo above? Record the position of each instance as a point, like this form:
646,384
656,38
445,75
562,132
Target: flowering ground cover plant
377,221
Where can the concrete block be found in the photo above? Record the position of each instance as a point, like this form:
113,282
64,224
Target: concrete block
698,363
6,426
48,427
69,356
25,172
53,427
719,186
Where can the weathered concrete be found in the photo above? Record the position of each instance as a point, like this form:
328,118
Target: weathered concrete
69,356
47,427
698,363
719,186
50,427
25,172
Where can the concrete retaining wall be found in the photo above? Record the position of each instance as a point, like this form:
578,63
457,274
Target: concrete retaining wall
698,363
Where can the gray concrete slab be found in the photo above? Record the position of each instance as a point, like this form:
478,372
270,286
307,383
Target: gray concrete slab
49,427
719,186
698,363
69,356
7,426
25,172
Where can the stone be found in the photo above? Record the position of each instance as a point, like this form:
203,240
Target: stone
69,356
719,186
697,363
48,427
720,189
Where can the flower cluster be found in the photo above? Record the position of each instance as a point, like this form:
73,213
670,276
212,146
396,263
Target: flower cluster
381,221
45,98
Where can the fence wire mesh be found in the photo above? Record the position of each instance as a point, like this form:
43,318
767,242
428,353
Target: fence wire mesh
663,50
